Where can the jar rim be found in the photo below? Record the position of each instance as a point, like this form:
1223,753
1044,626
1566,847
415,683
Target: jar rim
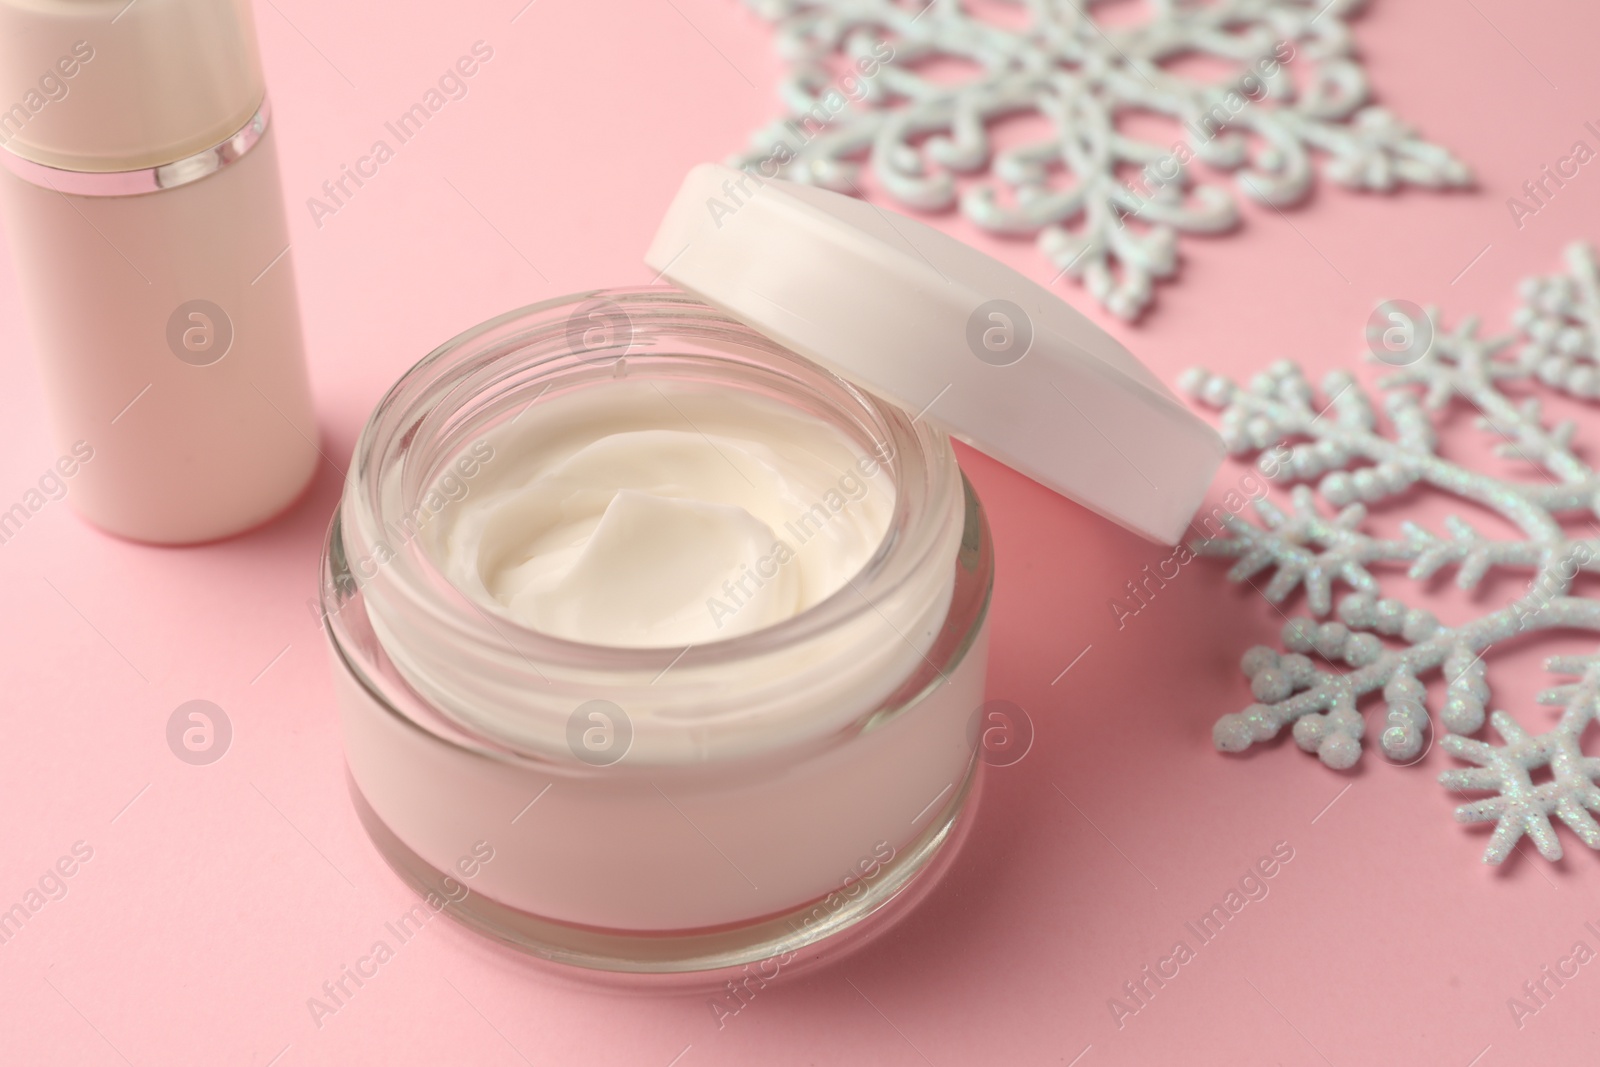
470,675
917,449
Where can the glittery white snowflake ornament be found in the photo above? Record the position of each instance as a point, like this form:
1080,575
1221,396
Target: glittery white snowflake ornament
1337,444
1105,205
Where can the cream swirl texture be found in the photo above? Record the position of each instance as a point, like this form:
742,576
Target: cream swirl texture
663,514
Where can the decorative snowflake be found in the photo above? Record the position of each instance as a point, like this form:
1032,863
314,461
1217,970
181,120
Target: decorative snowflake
1296,90
1338,444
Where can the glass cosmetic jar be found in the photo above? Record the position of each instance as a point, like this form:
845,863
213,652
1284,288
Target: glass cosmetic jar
653,810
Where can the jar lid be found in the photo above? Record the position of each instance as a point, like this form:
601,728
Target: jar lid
944,331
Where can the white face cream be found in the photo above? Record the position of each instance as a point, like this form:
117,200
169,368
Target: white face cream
691,636
648,514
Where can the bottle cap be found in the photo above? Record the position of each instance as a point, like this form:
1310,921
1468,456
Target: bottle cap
108,86
946,332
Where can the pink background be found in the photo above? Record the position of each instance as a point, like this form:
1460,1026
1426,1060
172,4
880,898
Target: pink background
222,897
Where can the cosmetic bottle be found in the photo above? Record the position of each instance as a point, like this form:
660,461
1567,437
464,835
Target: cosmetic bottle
141,201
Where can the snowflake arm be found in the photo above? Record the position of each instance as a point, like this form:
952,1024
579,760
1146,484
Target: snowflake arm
1338,445
1519,807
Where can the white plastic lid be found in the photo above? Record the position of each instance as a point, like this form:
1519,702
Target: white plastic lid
938,328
